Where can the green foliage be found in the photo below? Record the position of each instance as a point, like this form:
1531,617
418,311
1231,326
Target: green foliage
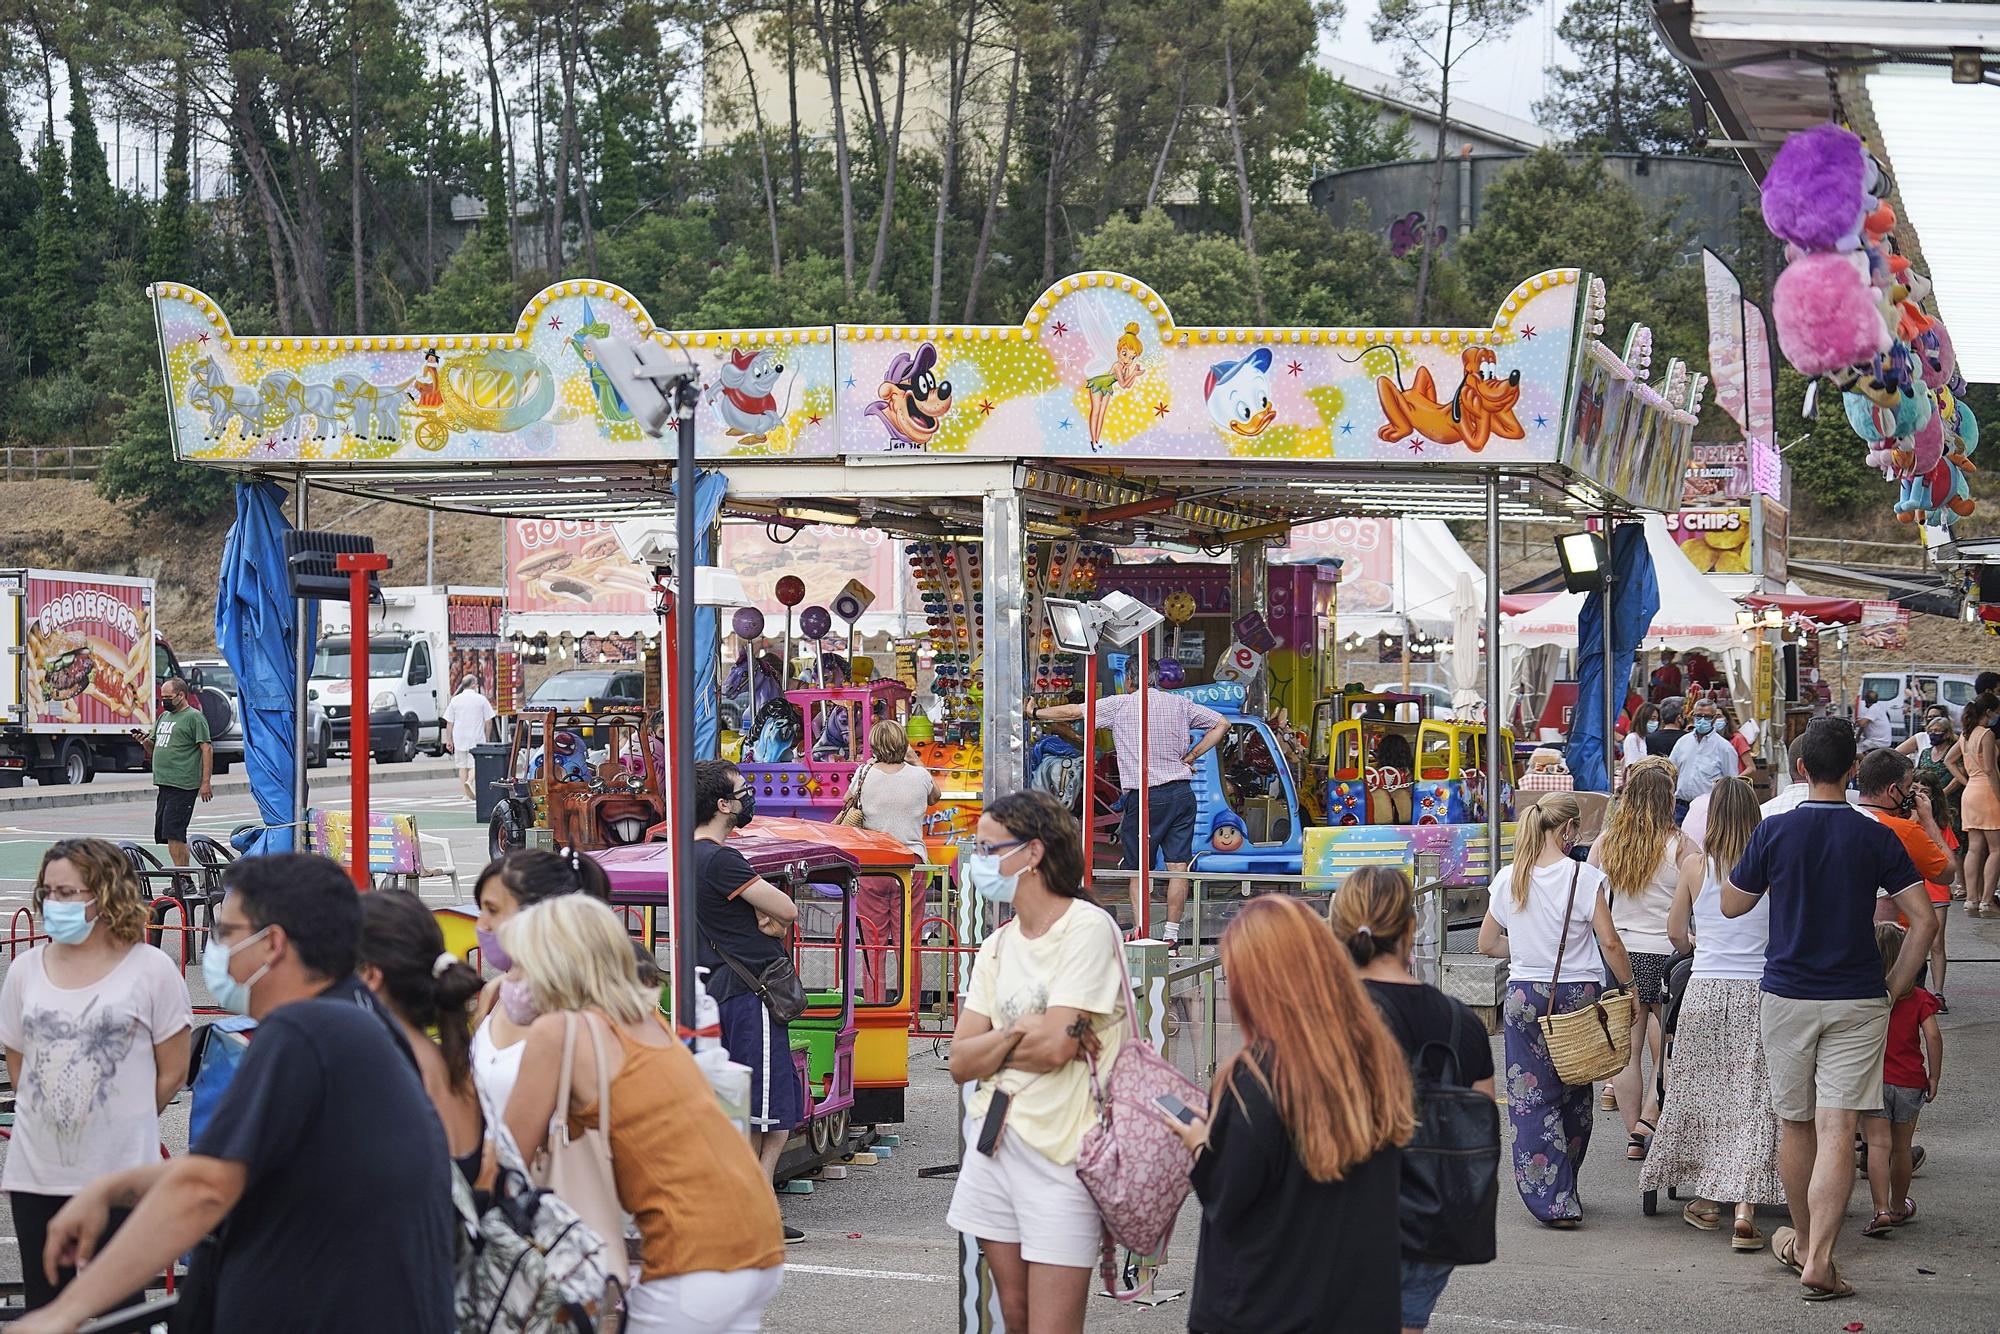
1204,279
172,252
1343,130
1829,467
121,354
90,172
1627,95
54,298
474,292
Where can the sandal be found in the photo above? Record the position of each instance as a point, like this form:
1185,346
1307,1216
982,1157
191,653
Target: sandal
1703,1215
1909,1214
1746,1237
1637,1145
1562,1224
1608,1100
1785,1246
1812,1292
1881,1225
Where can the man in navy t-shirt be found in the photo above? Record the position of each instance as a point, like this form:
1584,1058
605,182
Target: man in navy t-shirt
1825,1014
324,1169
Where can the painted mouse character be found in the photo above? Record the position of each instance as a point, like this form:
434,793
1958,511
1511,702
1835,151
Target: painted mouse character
912,402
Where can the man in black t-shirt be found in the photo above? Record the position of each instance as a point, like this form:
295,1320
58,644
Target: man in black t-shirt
1662,739
324,1166
734,906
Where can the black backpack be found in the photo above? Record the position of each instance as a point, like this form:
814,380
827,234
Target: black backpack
1451,1166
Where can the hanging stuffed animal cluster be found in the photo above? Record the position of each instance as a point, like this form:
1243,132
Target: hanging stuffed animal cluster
1850,308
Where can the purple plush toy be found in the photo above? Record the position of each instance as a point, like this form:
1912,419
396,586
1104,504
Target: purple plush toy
1815,195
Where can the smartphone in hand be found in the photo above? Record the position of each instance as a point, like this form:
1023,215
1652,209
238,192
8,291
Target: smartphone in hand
1177,1109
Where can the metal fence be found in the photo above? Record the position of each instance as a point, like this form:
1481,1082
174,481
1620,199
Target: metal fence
34,463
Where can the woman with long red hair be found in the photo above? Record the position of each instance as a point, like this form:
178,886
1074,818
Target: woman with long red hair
1297,1164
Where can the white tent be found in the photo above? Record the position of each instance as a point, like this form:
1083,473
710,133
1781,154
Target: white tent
1693,614
1410,587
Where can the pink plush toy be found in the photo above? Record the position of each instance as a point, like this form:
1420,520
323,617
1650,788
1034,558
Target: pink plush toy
1826,314
1927,446
1936,357
1815,195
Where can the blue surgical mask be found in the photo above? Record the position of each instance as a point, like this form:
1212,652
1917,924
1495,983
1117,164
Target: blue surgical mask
230,994
1652,725
66,923
988,881
1703,726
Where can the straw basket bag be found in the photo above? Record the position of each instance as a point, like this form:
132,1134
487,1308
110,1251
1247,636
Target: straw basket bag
1593,1041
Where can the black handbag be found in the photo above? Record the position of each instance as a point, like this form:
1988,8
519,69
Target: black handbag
778,986
1451,1166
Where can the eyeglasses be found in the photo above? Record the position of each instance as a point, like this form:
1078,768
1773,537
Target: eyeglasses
985,849
744,795
221,933
48,895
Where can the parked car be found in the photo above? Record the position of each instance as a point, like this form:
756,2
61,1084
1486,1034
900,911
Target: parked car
215,679
1918,691
578,689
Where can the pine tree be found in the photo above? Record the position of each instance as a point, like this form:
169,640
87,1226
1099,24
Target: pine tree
19,197
90,171
54,302
618,186
1629,95
171,256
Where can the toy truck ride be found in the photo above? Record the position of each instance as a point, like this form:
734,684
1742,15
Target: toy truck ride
82,669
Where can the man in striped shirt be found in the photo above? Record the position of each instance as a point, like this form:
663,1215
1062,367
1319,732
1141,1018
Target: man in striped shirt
1168,772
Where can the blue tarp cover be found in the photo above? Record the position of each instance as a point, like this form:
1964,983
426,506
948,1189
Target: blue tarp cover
1635,597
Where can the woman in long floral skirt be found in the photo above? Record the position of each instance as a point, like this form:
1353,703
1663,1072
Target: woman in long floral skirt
1718,1138
1548,904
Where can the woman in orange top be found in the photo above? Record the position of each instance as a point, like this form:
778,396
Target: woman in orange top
711,1243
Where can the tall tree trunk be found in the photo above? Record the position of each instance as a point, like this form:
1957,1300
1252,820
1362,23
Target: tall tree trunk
354,162
961,69
551,253
565,132
888,215
764,149
1167,144
792,96
1242,174
1423,293
828,29
987,223
866,66
576,150
501,144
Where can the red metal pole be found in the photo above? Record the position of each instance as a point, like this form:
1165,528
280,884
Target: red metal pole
359,565
1142,917
1089,763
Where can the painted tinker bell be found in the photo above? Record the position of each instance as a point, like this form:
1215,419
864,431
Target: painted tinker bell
1126,368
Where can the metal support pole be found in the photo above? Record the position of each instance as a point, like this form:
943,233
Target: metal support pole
358,566
681,703
302,649
430,547
1494,815
1250,590
1142,907
1089,764
1613,693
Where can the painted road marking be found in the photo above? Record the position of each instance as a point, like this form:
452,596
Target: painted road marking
1486,1322
897,1275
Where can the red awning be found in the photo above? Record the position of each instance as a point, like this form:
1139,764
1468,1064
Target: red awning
1513,604
1827,611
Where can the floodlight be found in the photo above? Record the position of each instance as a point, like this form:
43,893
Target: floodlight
1582,556
1112,621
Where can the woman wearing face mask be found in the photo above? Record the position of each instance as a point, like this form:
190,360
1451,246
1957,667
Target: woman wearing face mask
1645,722
506,1007
745,921
426,990
1933,750
1044,985
95,1025
1546,902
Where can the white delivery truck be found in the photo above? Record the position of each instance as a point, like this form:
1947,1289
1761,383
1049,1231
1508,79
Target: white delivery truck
81,671
419,641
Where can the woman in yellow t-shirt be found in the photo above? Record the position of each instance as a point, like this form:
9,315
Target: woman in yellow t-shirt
1044,987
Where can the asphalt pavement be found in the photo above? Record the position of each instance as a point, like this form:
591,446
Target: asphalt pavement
878,1257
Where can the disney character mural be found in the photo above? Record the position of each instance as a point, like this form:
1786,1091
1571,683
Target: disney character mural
1481,408
1124,372
742,396
1238,394
911,402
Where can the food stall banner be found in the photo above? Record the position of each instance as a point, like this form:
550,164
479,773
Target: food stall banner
1884,627
1774,539
564,565
1717,541
89,651
1718,474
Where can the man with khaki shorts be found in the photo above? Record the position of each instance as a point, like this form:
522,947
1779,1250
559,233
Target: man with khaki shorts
1825,1015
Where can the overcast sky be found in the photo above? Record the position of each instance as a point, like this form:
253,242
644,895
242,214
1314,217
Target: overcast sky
1505,76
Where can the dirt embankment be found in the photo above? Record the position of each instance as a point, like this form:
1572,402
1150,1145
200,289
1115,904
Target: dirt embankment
68,526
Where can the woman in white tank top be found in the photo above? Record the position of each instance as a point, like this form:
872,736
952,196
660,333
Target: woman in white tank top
1640,852
1718,1138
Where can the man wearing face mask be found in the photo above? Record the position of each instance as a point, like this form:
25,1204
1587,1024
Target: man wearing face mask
1702,756
324,1156
182,758
1891,794
738,910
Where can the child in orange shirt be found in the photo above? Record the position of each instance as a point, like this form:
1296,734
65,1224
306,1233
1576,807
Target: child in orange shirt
1910,1077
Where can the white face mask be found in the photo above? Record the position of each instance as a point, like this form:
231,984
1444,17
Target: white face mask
983,874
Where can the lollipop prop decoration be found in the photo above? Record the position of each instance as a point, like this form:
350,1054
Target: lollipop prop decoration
1179,607
791,592
849,604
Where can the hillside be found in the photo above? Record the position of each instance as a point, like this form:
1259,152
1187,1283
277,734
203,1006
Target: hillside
68,526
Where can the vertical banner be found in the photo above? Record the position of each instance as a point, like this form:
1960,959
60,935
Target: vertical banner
1739,359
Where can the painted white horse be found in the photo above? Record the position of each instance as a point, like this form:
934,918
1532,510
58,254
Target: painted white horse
225,402
293,400
373,410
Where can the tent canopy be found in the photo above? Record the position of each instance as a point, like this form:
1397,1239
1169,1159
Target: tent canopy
1418,587
1692,615
1827,611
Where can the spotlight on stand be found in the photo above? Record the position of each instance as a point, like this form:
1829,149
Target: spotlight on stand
1582,556
1112,621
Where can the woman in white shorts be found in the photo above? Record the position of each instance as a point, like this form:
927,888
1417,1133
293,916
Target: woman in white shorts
1044,986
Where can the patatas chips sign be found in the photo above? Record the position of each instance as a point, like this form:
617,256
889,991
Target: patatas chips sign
89,652
1718,541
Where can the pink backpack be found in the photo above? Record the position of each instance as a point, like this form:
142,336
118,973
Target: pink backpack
1132,1163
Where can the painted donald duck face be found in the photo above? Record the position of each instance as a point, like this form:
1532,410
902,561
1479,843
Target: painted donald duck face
1239,395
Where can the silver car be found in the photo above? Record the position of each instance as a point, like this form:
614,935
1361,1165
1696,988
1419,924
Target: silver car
214,682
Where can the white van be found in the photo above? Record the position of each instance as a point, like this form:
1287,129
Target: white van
1951,689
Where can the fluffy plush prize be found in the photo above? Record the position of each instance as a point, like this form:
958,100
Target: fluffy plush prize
1815,195
1826,315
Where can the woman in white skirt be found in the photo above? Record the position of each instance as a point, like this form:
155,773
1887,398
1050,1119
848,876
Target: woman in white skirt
1718,1138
